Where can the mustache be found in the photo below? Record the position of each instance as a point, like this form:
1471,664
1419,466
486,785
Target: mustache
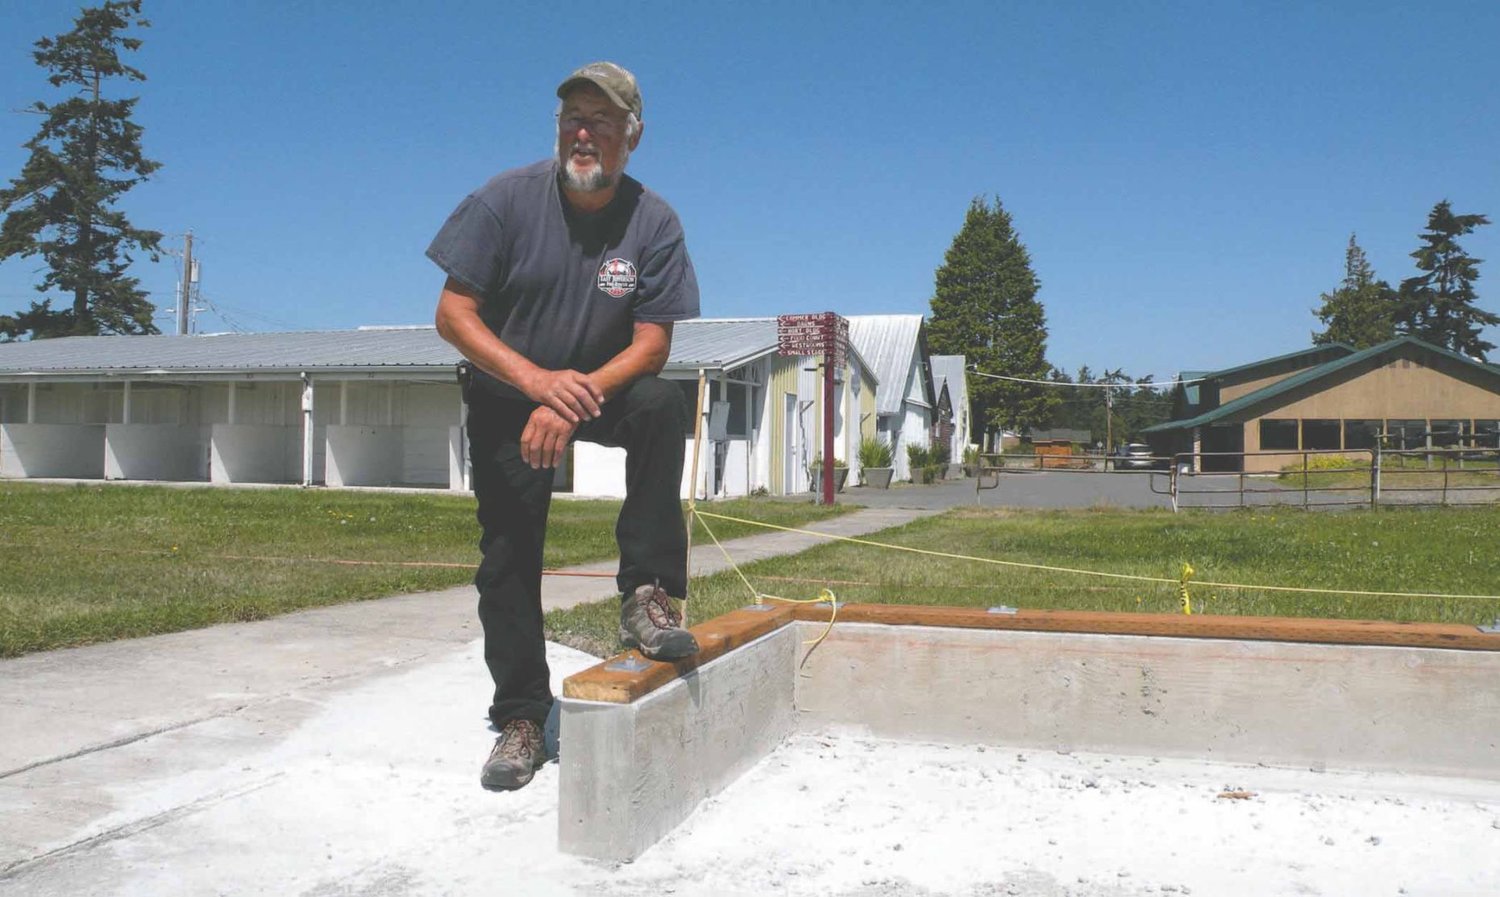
577,147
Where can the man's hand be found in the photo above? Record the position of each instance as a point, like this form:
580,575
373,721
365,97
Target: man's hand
545,438
575,397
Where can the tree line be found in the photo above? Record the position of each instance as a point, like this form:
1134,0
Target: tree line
1439,304
985,307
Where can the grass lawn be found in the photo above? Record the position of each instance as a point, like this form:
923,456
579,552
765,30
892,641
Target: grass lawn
1437,550
89,563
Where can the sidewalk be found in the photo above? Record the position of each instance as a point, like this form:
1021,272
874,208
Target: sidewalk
87,729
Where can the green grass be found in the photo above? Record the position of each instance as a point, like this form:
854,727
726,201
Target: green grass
1404,550
82,564
1398,472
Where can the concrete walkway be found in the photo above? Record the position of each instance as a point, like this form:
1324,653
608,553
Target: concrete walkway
80,723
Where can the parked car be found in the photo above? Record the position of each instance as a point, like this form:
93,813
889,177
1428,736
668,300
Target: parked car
1136,456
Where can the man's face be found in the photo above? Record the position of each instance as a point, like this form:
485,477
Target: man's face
591,141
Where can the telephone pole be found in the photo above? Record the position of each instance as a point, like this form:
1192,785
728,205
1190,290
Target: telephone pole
185,288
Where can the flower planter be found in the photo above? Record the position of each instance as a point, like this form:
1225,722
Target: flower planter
878,477
840,477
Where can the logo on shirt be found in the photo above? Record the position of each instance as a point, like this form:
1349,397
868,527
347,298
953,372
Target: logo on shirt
617,277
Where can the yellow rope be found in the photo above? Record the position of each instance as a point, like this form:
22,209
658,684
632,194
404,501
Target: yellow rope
1125,576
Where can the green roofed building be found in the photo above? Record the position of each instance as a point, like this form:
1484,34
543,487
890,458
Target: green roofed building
1261,416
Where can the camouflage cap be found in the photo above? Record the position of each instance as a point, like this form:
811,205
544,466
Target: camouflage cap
617,83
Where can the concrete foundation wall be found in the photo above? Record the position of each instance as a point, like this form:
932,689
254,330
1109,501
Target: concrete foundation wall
155,452
1419,710
256,454
632,772
363,456
52,450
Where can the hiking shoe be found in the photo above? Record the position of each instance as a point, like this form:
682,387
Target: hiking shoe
648,622
517,754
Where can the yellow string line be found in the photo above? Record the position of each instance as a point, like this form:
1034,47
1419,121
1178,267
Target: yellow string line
1126,576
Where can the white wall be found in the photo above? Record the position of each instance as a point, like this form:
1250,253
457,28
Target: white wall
248,453
52,450
155,451
363,455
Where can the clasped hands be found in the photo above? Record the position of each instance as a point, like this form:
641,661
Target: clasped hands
565,399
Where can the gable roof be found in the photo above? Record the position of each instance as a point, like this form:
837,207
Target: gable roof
1322,371
889,343
1312,356
948,369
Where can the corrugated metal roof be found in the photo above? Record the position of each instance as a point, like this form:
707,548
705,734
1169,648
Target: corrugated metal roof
722,343
714,344
1317,373
888,343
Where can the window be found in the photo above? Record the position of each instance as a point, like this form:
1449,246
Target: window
1487,433
1320,435
689,403
739,395
1361,434
1276,435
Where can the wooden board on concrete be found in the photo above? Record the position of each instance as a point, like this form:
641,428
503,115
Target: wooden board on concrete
1277,629
716,638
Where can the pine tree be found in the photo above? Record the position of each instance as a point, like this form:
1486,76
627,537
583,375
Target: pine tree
1439,306
984,307
84,157
1362,310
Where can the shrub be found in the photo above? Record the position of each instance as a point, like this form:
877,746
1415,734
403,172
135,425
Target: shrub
971,455
874,453
941,453
917,456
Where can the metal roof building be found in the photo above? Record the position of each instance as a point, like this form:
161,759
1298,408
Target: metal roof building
373,406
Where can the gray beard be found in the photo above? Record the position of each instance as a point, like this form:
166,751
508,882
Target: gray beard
596,181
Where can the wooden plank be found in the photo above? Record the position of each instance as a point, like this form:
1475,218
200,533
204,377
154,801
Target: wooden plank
1276,629
715,637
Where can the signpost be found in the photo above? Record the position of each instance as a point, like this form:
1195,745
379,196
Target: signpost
825,334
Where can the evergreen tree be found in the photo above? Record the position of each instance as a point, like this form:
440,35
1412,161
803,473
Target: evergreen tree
1438,306
1362,311
86,154
984,307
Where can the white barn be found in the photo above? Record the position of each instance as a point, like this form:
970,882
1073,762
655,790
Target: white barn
373,407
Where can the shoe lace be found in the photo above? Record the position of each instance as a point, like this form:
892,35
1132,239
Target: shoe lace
658,607
520,740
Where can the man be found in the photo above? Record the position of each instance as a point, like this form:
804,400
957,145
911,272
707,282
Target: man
564,279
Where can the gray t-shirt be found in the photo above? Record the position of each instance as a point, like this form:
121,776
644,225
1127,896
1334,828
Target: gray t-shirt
562,288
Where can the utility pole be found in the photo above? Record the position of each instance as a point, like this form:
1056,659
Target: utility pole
185,291
1109,419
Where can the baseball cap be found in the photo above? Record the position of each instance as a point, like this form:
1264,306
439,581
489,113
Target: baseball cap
617,83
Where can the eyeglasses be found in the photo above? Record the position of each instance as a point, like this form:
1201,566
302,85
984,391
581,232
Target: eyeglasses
596,124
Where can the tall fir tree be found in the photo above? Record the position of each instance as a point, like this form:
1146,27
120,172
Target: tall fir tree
84,157
1362,310
984,307
1439,305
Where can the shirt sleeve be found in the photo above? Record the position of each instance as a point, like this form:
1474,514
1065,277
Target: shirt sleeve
468,246
668,289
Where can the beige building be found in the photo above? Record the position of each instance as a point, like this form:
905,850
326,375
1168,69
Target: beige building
1403,394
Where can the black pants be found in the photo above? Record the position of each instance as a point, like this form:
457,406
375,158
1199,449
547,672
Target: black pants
647,419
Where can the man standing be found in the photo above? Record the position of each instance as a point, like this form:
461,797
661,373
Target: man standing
564,279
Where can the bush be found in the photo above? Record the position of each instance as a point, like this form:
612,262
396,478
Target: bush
874,453
917,457
941,453
971,455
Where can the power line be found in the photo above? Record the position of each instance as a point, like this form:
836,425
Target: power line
1148,384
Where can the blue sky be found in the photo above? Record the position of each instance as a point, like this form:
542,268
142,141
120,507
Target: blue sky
1185,176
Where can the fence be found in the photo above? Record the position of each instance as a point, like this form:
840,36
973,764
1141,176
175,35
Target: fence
1307,478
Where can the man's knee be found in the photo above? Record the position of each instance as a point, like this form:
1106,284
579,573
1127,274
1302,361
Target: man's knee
660,400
